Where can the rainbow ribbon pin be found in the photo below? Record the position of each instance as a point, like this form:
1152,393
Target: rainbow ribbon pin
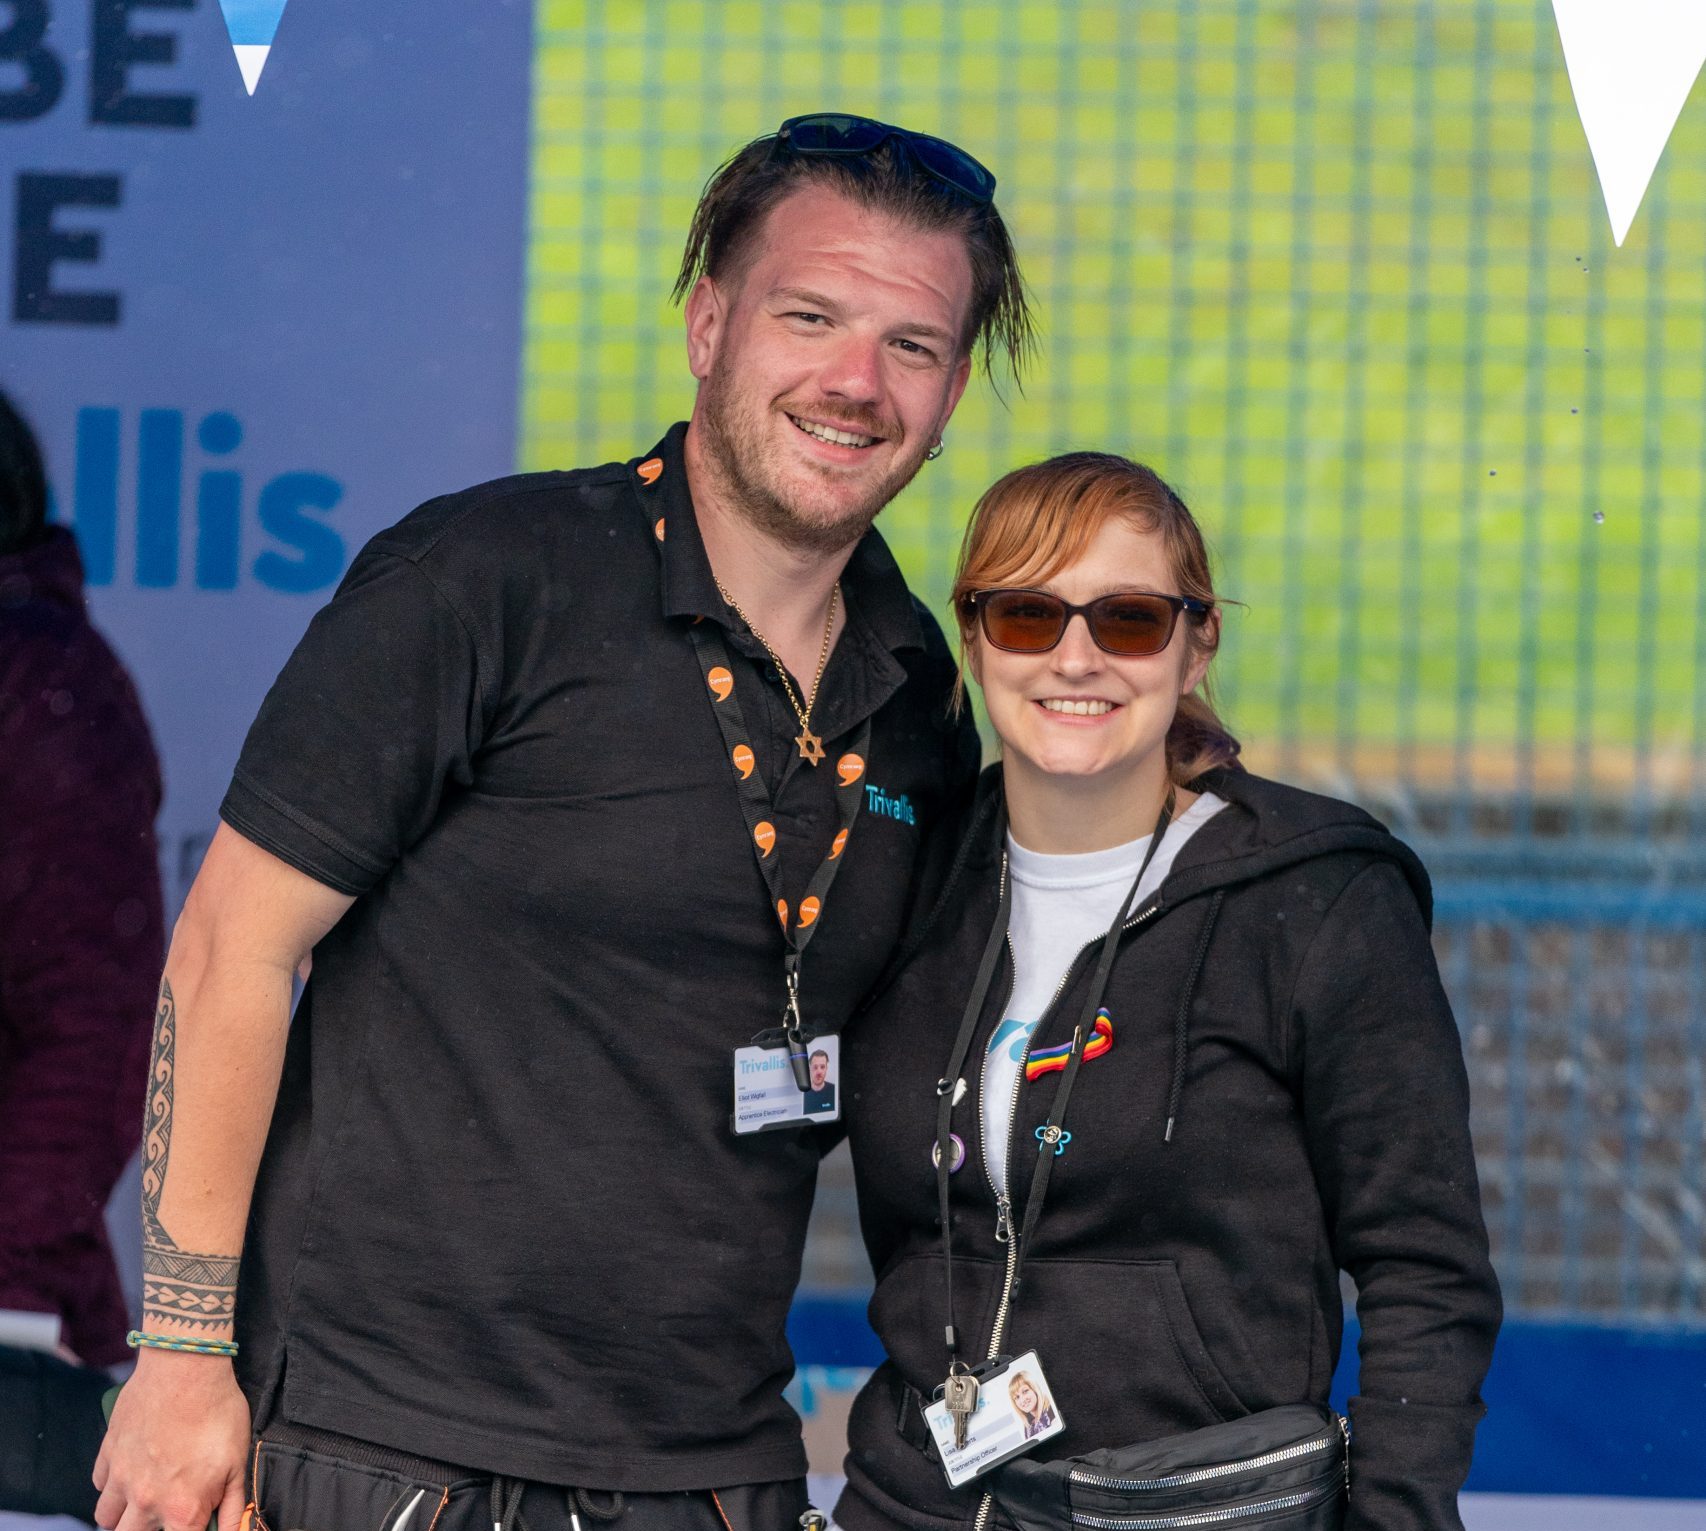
1048,1059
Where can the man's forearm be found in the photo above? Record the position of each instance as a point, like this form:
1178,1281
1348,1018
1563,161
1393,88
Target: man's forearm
213,1078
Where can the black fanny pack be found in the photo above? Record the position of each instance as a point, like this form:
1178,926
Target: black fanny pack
1288,1466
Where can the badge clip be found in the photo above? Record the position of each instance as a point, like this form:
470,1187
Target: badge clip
986,1415
794,1029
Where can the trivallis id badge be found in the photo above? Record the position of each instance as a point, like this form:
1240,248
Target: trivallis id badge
1014,1411
768,1094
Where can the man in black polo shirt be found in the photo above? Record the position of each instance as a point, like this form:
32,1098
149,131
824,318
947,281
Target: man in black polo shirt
562,790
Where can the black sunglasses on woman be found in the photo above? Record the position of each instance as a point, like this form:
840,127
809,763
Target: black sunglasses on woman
1129,623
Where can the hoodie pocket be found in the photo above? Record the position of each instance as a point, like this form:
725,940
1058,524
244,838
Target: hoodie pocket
910,1307
908,1311
1121,1349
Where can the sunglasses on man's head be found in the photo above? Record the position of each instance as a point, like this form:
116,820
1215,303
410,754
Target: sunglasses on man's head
838,133
1130,623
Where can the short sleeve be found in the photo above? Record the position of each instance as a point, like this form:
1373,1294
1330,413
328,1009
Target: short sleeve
375,715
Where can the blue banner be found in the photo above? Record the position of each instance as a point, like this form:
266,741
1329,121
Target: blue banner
253,330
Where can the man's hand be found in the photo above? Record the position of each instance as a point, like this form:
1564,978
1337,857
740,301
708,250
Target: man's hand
177,1449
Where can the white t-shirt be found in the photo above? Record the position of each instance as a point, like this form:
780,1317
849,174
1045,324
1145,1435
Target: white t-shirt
1060,905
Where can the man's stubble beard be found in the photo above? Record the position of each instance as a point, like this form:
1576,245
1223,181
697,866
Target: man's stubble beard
738,451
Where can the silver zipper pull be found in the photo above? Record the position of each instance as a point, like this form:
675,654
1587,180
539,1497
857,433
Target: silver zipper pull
1003,1219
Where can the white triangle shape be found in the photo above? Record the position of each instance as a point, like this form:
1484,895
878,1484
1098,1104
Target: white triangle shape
1632,64
251,59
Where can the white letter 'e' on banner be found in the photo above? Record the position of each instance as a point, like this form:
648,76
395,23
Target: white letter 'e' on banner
1632,64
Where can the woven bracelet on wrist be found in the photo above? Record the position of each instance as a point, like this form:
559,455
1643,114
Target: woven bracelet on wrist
139,1339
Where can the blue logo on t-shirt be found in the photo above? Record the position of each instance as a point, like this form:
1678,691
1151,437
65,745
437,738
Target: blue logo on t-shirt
897,808
1018,1031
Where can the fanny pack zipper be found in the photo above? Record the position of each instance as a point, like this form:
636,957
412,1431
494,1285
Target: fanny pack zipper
1208,1474
1189,1518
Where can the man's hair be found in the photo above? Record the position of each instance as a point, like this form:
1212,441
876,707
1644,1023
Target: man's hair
742,192
23,482
820,1053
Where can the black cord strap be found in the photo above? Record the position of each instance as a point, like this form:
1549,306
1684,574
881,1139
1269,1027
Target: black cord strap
949,1083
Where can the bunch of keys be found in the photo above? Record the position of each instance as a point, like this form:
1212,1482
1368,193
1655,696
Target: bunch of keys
959,1398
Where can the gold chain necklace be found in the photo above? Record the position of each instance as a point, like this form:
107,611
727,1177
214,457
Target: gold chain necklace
810,744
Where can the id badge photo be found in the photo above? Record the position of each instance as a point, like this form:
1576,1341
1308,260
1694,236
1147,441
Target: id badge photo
1015,1411
768,1094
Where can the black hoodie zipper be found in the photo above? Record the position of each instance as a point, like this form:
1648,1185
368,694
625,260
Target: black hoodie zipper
1004,1202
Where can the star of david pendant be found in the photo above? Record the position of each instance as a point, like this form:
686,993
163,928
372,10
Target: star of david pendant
811,746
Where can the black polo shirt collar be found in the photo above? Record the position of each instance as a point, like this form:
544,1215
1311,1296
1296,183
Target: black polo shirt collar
871,585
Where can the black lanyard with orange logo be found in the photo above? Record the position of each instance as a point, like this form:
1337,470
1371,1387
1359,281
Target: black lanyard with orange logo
798,926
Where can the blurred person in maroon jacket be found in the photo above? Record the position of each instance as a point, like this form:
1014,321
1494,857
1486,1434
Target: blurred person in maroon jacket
81,943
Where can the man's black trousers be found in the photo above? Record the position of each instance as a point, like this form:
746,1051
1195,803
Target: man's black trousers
312,1480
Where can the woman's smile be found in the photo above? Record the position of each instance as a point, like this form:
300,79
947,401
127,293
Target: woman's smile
1078,709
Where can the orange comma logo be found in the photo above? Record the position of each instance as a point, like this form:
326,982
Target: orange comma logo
649,471
657,528
851,767
839,845
809,910
720,681
782,912
744,761
764,836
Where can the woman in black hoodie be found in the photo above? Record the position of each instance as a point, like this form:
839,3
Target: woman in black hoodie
1267,1084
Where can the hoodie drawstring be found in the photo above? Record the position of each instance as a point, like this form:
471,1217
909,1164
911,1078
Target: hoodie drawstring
1182,1023
506,1505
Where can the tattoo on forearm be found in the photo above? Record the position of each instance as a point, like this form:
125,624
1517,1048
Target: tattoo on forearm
196,1291
157,1117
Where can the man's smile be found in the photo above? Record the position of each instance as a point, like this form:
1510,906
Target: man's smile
834,435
